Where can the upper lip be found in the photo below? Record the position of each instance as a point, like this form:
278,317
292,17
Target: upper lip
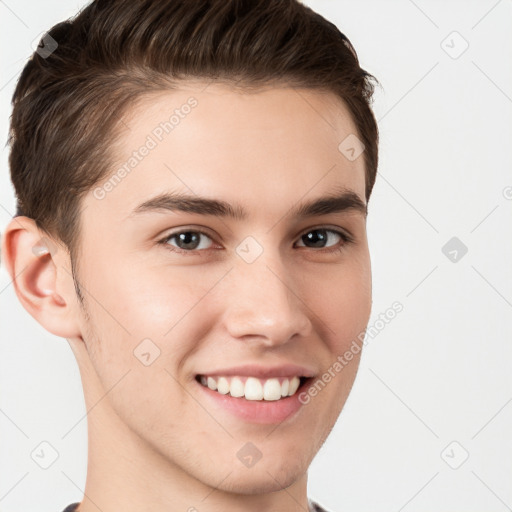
257,370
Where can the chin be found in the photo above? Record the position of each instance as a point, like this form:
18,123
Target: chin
266,477
249,483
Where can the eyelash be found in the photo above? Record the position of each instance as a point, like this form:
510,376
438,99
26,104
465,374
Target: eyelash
346,239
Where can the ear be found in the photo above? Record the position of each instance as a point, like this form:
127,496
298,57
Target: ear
41,276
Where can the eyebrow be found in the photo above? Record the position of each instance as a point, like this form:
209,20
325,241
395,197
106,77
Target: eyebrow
344,201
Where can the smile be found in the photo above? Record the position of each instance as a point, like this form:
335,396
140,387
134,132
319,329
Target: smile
252,388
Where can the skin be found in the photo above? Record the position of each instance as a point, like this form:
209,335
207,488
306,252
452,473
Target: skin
154,442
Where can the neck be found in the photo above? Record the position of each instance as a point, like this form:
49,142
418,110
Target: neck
126,473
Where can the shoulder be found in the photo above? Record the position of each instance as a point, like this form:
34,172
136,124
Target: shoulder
315,507
72,507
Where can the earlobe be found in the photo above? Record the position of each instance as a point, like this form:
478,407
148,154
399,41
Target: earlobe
31,261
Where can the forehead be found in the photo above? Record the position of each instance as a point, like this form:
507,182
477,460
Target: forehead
266,148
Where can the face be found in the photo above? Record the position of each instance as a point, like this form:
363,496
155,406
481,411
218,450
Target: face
244,294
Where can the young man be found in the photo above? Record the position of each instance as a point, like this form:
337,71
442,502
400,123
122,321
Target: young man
192,182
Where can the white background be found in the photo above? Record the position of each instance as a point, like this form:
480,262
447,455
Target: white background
440,371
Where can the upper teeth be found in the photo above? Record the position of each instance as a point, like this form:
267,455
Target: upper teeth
253,388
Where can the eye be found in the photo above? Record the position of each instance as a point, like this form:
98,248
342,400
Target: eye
319,237
187,241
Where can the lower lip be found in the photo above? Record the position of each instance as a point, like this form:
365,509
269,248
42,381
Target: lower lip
257,411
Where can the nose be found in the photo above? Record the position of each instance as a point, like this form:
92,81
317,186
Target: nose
264,305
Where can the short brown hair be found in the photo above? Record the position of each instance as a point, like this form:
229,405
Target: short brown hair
69,101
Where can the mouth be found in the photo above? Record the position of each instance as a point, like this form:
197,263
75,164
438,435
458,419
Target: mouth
255,389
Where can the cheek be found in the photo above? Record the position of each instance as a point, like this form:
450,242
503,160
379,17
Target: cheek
344,304
139,335
149,311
